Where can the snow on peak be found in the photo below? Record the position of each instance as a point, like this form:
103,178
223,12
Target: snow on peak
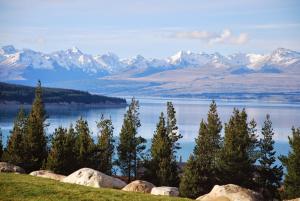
110,63
75,50
8,49
282,56
185,58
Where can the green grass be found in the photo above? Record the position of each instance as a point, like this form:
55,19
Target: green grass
28,188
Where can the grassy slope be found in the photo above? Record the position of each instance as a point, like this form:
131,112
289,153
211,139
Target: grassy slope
26,187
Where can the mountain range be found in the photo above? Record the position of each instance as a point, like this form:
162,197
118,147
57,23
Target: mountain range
184,74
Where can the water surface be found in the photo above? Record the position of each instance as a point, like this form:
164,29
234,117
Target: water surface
189,114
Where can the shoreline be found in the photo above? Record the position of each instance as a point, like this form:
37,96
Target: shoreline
13,104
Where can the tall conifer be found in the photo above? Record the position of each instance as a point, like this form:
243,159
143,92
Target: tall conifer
130,145
105,145
163,166
1,145
16,140
62,157
236,162
292,163
269,174
36,139
85,146
200,174
172,128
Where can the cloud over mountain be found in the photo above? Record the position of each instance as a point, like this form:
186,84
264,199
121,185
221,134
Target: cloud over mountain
226,36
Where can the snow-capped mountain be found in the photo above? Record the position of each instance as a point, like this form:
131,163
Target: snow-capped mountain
184,72
110,64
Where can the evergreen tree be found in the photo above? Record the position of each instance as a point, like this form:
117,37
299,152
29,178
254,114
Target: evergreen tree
130,146
55,161
105,145
162,166
197,176
236,163
254,152
16,143
70,153
36,139
200,174
292,164
269,174
172,128
85,147
1,145
213,142
62,156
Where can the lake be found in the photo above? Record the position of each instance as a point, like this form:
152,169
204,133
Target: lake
189,114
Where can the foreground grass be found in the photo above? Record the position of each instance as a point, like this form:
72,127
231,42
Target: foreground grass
28,188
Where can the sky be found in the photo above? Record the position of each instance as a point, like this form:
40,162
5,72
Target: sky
153,28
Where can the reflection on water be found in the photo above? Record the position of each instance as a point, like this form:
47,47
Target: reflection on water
189,114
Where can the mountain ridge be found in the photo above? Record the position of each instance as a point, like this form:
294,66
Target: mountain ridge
110,63
185,73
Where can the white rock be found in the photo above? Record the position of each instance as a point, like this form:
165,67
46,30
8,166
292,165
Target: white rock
139,186
47,174
8,167
93,178
165,190
230,192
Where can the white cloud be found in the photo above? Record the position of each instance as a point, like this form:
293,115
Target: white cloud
225,37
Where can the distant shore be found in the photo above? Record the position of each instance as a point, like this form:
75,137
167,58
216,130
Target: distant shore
14,104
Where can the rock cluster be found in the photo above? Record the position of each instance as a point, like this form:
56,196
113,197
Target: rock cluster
7,167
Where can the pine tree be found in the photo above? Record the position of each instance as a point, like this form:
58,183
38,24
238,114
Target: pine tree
163,166
197,175
200,174
55,161
71,163
1,145
62,157
214,127
236,163
172,128
16,143
36,139
130,145
269,174
292,164
105,145
85,146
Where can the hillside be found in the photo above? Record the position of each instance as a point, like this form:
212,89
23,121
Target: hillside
25,95
28,188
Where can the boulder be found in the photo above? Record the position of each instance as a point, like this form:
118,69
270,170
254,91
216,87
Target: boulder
139,186
47,174
7,167
93,178
230,192
165,190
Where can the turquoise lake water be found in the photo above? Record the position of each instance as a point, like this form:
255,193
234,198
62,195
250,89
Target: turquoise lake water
189,114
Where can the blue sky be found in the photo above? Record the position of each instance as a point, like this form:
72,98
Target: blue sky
153,28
